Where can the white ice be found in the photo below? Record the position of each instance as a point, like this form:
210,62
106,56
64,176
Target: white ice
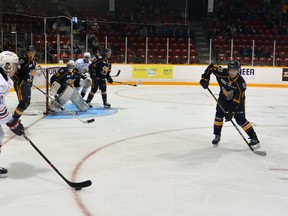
153,157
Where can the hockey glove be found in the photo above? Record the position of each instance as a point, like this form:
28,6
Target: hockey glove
109,79
211,68
229,115
16,126
204,82
70,82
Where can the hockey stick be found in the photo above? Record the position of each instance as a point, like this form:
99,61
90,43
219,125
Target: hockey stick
43,72
123,83
76,185
119,71
64,108
262,153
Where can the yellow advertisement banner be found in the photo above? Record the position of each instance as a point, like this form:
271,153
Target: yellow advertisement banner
152,71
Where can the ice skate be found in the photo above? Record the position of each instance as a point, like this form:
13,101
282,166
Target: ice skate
254,143
3,172
89,104
106,104
216,140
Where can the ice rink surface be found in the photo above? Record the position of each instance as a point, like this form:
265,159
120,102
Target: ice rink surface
152,157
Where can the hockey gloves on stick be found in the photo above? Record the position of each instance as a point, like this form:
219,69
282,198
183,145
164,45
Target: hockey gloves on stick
109,79
16,126
211,67
229,115
204,82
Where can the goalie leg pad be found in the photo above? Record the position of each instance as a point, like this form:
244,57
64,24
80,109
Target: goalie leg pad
54,106
54,88
78,101
85,90
66,95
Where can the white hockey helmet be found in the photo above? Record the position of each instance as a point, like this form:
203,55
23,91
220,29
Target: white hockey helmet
8,60
87,55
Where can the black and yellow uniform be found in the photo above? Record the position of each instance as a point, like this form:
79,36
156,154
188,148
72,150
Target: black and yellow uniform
231,98
64,77
100,69
23,79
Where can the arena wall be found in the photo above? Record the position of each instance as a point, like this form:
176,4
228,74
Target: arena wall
167,74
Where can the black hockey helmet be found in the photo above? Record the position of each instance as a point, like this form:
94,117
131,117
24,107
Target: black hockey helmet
30,48
234,65
106,51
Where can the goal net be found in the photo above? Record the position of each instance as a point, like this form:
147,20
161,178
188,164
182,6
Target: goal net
40,98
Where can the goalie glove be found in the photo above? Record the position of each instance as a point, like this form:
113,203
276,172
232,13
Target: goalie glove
70,82
86,83
16,126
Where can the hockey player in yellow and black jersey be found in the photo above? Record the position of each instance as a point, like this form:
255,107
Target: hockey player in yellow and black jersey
66,76
100,69
231,98
23,79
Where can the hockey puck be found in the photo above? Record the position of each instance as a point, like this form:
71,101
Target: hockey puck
78,188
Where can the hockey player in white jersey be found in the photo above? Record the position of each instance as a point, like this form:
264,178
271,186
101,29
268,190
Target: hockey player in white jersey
8,66
82,65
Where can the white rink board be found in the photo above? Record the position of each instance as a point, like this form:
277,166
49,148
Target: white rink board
192,73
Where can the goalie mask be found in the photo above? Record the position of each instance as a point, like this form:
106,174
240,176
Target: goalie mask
70,65
234,68
9,62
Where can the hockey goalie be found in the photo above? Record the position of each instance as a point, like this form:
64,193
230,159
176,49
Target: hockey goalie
62,88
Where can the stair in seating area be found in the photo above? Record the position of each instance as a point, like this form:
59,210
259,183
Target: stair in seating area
201,41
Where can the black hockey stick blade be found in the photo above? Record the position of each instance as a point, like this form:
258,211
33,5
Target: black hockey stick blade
90,120
262,153
138,83
119,71
79,185
76,185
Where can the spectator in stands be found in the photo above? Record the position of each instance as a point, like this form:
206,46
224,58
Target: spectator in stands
227,33
115,49
275,29
50,51
284,10
233,30
220,52
94,43
245,51
266,53
258,52
8,46
76,49
66,47
213,33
